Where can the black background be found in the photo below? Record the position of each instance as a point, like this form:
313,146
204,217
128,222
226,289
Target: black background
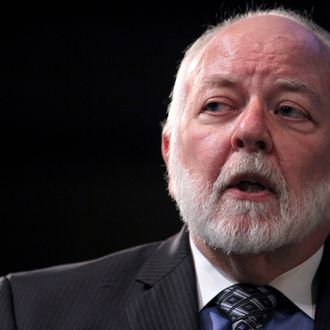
82,100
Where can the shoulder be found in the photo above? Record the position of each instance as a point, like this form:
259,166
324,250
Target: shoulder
118,266
72,295
115,271
92,292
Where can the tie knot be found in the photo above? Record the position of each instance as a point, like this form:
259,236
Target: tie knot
246,306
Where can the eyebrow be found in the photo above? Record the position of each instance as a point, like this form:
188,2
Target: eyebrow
286,84
222,81
299,86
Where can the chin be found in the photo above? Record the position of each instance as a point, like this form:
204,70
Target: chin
243,235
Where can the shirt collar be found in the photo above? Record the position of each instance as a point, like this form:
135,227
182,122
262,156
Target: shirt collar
292,284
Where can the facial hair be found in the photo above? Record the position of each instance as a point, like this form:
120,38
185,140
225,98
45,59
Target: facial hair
242,226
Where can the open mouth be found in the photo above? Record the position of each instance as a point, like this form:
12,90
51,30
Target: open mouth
250,183
249,186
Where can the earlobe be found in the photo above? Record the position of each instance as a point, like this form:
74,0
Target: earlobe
165,146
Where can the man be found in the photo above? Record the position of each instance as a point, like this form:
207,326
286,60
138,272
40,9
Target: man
247,150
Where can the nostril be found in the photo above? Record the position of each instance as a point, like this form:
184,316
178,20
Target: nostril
240,143
261,145
253,145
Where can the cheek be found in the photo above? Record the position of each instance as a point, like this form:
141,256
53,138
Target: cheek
204,151
304,162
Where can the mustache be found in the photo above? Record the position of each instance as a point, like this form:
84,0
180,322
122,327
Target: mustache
250,166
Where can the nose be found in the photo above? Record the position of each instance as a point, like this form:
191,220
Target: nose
251,133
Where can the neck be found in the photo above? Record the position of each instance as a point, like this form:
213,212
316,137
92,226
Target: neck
262,268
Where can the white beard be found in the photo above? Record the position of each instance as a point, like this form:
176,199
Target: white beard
247,227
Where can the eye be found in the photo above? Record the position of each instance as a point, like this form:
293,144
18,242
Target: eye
217,107
292,112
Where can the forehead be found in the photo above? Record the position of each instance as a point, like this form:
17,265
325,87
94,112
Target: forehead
261,44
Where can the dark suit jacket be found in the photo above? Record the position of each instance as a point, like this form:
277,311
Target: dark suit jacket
147,287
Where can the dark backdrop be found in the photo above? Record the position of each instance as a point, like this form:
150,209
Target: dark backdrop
82,101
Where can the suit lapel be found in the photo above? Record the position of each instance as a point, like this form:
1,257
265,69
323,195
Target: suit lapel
168,299
323,292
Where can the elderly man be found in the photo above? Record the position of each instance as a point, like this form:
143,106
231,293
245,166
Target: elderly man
246,144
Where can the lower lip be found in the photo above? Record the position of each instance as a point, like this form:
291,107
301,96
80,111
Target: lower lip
259,196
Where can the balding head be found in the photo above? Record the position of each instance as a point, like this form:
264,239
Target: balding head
255,91
275,25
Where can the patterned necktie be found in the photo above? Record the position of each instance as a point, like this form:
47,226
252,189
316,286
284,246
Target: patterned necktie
246,306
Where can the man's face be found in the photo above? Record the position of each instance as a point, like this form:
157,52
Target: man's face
254,135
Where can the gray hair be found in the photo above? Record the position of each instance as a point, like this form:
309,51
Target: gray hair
178,94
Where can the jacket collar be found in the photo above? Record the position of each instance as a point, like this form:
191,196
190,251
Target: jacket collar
168,299
323,290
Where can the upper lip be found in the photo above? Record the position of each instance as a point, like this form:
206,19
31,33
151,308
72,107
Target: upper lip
251,177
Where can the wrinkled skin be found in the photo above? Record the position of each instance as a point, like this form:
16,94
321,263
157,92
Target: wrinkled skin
261,84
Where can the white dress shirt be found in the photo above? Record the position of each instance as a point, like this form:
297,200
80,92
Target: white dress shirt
296,284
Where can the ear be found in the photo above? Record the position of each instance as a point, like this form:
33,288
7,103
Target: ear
166,139
166,146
